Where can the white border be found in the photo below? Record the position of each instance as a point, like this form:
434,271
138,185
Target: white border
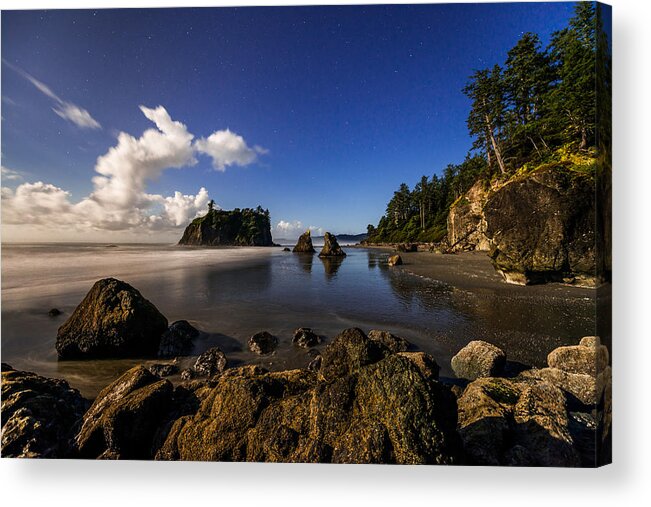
68,483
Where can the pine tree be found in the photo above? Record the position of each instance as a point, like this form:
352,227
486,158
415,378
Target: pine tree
488,113
574,51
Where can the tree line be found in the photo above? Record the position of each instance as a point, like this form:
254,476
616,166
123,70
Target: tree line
539,103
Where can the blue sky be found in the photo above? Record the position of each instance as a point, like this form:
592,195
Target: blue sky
328,110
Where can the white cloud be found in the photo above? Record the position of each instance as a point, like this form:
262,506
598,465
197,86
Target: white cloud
227,148
64,109
292,229
119,201
125,168
10,174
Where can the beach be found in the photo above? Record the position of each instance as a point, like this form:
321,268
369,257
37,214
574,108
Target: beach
437,302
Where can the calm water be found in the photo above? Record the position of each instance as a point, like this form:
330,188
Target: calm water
230,294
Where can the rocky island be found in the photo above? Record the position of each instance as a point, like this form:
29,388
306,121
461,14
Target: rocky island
239,227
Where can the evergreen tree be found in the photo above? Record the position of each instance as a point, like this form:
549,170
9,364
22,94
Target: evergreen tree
573,51
488,113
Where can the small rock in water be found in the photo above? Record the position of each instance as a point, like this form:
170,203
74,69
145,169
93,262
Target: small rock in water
54,312
211,362
263,343
305,337
286,249
177,340
395,260
163,370
315,364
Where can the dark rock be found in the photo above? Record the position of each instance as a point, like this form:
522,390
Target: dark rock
113,320
588,358
305,337
315,364
542,227
395,260
286,249
427,365
39,415
478,359
263,343
331,247
54,312
385,412
348,352
511,422
123,420
304,243
392,342
178,340
407,247
163,370
211,362
247,227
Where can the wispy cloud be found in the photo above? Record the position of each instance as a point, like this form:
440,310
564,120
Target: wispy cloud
10,174
66,110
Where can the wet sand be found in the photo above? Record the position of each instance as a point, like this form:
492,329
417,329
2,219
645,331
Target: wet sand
437,302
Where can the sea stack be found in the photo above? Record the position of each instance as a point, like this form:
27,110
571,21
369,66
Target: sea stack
239,227
331,248
304,244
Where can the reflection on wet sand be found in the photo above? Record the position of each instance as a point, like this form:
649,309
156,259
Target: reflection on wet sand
331,266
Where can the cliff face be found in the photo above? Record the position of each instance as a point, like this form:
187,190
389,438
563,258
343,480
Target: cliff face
466,224
537,228
245,227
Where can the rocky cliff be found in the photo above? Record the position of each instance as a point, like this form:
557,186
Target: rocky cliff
537,227
246,227
466,224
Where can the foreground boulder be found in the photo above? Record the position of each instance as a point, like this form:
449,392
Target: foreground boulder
39,415
304,243
478,359
588,358
124,419
581,371
517,423
331,247
113,320
392,342
348,352
178,339
379,409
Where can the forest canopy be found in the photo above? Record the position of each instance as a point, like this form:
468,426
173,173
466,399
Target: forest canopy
543,106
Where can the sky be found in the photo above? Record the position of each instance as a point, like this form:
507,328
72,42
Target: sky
121,124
